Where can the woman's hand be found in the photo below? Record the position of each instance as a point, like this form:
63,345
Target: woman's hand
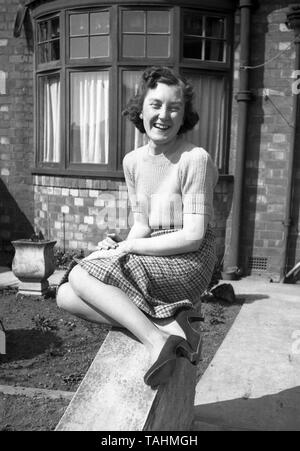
110,242
122,248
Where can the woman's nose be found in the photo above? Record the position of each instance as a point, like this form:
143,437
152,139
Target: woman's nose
163,112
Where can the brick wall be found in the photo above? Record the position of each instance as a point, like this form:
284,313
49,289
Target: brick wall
16,132
79,212
268,141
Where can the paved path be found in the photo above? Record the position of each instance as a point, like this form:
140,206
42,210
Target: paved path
253,382
7,278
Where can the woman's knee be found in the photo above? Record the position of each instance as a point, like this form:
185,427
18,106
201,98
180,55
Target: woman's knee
78,279
65,297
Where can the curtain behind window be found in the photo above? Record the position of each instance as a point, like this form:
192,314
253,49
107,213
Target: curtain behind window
210,104
50,112
131,137
89,117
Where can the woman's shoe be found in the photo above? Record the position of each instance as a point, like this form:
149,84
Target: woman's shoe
162,369
184,318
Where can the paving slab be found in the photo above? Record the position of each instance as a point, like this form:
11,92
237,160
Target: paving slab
8,279
253,382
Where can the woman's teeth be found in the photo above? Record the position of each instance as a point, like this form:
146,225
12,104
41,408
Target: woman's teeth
161,127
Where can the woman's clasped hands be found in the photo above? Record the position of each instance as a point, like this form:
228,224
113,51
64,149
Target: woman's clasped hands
111,246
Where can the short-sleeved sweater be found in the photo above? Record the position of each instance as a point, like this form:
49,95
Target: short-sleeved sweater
163,187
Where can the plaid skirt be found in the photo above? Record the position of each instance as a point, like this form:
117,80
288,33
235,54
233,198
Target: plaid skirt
159,286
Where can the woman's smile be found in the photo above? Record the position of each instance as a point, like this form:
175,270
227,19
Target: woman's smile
163,113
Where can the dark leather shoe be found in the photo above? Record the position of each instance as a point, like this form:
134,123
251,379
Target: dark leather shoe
185,318
162,369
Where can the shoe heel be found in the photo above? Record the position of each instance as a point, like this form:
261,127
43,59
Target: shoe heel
185,350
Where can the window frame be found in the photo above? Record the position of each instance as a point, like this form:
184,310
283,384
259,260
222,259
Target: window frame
116,64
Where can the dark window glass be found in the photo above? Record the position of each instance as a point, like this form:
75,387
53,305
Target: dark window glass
214,50
193,24
48,40
204,37
215,27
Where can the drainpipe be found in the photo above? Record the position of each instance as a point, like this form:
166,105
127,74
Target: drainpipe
293,21
243,98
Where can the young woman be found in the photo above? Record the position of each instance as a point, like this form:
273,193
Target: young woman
148,282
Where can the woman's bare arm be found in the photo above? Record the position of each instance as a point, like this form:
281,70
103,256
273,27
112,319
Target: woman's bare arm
186,240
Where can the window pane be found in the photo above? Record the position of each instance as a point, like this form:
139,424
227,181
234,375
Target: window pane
42,31
43,53
210,94
133,22
54,25
89,127
158,46
79,24
131,137
99,23
99,46
215,50
49,118
79,48
215,27
193,48
193,23
134,46
158,22
54,45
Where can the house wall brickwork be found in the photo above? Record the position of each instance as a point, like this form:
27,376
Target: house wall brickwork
77,212
268,142
16,132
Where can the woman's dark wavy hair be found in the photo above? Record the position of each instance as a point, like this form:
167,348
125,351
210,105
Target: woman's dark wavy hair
149,80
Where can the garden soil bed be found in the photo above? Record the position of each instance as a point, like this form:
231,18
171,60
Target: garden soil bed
49,349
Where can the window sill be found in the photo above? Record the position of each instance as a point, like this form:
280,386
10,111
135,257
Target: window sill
79,173
104,175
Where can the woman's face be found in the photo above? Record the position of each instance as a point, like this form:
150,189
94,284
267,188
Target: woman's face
163,113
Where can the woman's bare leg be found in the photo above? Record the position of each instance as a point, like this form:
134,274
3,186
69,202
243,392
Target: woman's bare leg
170,326
114,303
68,300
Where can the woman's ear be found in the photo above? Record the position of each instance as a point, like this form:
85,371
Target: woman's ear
141,115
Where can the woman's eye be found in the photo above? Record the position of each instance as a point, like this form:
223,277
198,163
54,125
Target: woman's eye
155,105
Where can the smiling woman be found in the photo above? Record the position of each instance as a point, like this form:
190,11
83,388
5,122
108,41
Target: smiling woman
149,282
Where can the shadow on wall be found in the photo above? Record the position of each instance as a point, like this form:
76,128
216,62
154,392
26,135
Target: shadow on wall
13,225
276,412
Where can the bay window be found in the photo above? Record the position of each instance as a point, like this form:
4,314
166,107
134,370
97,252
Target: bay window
88,62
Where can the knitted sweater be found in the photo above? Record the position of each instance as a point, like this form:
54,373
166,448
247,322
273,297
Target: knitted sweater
164,187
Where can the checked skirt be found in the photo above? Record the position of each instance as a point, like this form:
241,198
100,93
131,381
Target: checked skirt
159,286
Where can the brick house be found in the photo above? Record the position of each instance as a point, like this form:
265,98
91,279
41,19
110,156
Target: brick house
61,156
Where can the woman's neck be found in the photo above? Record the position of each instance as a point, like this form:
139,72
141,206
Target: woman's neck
157,149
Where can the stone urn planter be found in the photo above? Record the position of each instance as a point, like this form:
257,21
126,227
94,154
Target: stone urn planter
33,263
